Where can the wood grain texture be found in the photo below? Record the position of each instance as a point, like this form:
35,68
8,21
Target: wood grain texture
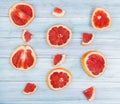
77,17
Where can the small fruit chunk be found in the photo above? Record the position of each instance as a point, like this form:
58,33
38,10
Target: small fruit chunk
58,78
94,63
26,36
58,12
101,19
23,58
21,14
30,88
58,36
87,39
58,59
89,93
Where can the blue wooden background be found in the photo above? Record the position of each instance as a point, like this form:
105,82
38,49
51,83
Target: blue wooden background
78,16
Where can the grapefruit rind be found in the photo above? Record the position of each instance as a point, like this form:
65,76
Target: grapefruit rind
29,93
108,15
86,69
33,54
58,46
93,94
58,14
88,43
58,70
61,61
14,6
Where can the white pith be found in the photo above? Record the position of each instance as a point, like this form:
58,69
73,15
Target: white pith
58,14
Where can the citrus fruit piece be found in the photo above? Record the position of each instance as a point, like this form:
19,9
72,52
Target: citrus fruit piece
58,12
26,36
30,88
21,14
58,59
23,58
90,93
94,63
101,19
59,78
58,36
87,39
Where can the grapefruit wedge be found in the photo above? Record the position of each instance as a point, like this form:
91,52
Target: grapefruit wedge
101,19
58,12
23,58
21,14
30,88
94,63
58,36
87,39
58,59
58,78
26,36
90,93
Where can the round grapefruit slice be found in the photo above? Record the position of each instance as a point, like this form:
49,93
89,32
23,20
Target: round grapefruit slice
21,14
101,19
30,88
26,36
58,12
90,93
58,59
94,63
23,58
59,78
87,39
58,36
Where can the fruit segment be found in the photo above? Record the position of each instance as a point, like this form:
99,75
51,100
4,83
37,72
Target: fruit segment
58,12
87,39
89,93
58,59
30,88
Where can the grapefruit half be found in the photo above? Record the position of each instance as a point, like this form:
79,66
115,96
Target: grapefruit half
101,19
23,58
59,78
21,14
94,63
58,36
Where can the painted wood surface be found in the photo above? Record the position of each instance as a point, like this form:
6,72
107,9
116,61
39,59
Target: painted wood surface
78,16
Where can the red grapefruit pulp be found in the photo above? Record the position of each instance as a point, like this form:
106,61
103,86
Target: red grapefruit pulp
58,36
21,14
26,36
23,58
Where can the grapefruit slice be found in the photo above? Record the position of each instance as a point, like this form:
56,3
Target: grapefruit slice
58,36
90,93
58,59
58,12
26,36
30,88
87,39
59,78
21,14
94,63
23,58
101,19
